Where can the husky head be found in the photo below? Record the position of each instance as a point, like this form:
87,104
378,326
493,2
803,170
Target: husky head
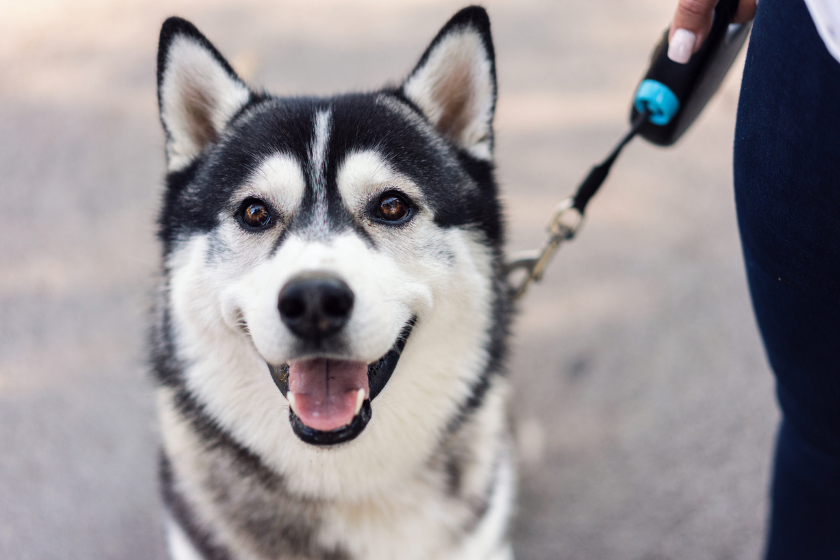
347,248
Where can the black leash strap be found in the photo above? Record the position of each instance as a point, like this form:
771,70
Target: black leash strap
568,216
599,173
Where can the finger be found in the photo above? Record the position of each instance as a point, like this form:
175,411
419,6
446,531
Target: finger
746,11
690,27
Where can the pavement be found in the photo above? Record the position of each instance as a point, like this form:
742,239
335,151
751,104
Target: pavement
646,406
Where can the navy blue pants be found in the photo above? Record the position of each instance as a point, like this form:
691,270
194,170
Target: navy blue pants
787,188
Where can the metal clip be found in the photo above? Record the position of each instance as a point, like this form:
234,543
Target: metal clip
562,226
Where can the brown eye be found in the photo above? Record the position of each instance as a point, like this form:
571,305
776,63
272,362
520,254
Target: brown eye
255,214
392,208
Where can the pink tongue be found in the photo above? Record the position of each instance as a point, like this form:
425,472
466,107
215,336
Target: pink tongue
325,391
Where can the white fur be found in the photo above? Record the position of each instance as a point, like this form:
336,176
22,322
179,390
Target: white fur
440,361
486,538
222,296
459,57
384,525
364,175
377,480
186,454
191,71
402,278
180,547
413,510
318,170
388,526
277,180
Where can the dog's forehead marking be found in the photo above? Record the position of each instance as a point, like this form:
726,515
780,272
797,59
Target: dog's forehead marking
318,169
278,179
366,173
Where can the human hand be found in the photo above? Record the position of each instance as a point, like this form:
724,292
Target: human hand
692,23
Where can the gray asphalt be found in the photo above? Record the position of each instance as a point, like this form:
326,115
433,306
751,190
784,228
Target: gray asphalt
646,405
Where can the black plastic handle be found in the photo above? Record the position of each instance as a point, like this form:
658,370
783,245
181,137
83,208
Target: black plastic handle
695,82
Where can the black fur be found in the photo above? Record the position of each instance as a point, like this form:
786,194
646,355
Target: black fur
184,515
175,27
257,510
460,191
465,195
460,196
194,195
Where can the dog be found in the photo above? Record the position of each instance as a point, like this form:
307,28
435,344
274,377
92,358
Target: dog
331,328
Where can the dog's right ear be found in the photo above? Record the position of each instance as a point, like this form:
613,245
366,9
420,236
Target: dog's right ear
198,91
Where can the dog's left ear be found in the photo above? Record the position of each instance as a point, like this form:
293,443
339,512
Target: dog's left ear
198,92
454,84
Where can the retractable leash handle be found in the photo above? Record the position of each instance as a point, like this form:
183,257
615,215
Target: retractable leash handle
675,93
667,101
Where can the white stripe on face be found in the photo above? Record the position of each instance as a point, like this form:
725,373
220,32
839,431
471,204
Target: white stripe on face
318,169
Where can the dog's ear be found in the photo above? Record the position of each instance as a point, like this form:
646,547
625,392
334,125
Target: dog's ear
198,91
454,84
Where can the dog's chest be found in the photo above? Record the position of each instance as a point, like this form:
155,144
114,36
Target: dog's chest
418,521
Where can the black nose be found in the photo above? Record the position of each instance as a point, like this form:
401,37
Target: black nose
314,307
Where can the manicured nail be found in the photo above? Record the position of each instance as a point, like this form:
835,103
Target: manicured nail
681,45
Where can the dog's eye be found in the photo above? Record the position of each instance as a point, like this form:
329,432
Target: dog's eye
392,207
255,214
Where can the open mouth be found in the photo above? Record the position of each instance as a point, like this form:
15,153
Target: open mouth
329,399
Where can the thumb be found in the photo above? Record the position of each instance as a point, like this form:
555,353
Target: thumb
690,27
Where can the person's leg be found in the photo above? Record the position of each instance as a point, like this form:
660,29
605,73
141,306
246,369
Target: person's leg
787,187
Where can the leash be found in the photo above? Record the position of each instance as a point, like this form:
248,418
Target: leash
667,101
567,218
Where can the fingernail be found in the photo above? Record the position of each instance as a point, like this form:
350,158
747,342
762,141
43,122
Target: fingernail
681,45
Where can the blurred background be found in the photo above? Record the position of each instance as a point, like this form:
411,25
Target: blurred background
646,406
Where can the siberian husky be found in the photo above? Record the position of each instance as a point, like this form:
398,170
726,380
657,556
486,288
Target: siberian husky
332,322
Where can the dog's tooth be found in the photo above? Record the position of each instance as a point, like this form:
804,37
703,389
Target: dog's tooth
360,398
291,398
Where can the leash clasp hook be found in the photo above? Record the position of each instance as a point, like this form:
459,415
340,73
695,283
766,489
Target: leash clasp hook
563,225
